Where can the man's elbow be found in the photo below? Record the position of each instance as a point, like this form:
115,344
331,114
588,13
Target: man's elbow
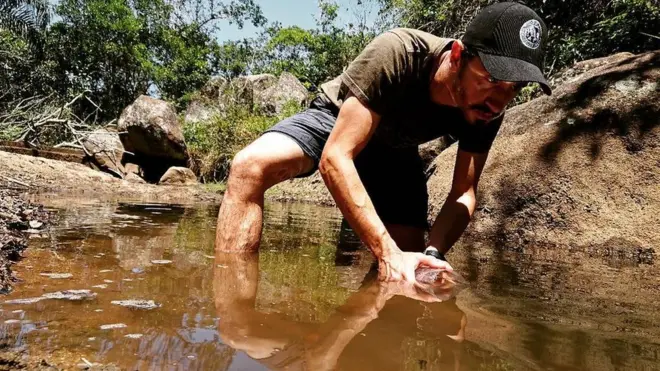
468,198
328,163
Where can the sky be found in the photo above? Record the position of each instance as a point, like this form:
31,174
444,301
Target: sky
289,13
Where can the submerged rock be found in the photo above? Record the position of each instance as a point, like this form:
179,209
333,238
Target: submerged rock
113,326
57,276
25,300
162,262
73,295
137,304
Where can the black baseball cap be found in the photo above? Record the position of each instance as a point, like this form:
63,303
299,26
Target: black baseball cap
510,39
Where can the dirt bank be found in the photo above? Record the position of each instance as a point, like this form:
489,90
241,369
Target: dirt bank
18,219
41,175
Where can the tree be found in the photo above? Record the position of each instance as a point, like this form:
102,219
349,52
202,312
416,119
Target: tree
578,29
315,55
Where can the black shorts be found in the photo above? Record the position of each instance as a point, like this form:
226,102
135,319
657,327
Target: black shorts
393,177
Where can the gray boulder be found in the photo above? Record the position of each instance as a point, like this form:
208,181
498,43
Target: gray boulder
214,88
201,110
178,176
273,99
150,127
106,151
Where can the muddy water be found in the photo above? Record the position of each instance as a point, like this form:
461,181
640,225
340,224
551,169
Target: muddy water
307,301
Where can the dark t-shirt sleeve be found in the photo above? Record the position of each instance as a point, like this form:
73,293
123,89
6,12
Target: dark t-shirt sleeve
375,75
479,139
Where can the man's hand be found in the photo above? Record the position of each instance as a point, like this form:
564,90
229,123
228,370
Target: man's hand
396,265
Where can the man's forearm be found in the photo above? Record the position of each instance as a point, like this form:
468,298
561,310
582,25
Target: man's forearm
452,221
341,178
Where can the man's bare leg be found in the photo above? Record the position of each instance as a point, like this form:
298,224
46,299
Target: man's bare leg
269,160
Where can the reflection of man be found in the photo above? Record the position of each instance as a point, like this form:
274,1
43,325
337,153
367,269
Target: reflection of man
279,343
406,87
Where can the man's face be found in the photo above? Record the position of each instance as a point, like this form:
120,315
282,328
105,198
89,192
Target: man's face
479,96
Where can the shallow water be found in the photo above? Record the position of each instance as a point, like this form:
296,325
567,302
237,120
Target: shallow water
304,302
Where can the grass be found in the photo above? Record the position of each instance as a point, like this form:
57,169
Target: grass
212,144
216,187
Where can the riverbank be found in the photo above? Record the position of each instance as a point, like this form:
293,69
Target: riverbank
18,220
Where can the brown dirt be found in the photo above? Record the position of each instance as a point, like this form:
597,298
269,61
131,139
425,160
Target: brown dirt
42,175
577,170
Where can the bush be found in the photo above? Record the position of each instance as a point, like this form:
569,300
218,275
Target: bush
212,144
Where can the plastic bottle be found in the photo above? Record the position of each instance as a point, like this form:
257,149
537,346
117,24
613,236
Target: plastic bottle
438,282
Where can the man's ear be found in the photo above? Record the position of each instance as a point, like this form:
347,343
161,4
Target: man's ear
455,55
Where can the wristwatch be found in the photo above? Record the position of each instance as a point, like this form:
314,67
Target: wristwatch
432,251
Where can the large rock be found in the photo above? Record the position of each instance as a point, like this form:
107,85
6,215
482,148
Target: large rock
201,110
106,151
265,92
273,99
178,176
577,170
150,127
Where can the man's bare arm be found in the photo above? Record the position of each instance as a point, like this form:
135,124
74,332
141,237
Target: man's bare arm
353,130
461,202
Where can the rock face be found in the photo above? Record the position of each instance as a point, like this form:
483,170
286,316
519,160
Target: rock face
266,93
576,170
106,151
178,176
153,134
273,99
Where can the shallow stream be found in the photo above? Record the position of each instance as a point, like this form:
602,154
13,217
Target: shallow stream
304,302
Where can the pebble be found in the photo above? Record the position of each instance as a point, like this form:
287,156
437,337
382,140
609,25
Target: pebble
98,310
105,271
11,321
137,304
108,281
113,326
127,279
57,275
35,224
161,262
100,286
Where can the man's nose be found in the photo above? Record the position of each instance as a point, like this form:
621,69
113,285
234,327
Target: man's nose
495,106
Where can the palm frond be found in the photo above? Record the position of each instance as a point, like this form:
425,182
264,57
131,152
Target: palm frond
24,18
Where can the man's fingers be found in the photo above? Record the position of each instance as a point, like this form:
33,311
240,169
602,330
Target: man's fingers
434,263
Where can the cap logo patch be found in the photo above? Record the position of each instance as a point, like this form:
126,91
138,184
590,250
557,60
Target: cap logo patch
530,34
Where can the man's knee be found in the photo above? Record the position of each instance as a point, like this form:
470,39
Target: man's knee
248,171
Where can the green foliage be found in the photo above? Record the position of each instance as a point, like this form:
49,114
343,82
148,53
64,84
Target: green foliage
578,29
212,144
315,55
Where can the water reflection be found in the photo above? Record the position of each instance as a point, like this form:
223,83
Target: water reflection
392,311
308,300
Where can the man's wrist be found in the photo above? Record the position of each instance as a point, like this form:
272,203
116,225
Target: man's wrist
388,249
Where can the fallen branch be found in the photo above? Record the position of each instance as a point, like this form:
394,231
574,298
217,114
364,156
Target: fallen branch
649,35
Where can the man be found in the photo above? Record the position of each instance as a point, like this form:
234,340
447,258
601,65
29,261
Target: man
406,88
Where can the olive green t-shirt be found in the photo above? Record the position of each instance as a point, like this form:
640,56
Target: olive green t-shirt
392,77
